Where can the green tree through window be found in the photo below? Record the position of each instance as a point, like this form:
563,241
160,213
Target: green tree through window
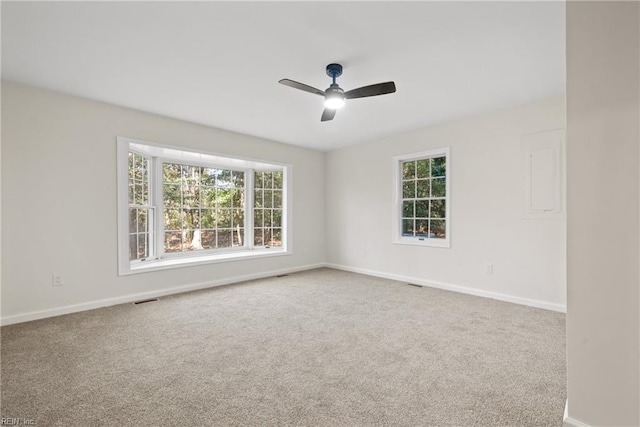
203,208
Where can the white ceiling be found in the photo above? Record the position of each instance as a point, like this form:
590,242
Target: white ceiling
218,63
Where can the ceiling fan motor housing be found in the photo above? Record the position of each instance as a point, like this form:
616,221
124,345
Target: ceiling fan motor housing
334,89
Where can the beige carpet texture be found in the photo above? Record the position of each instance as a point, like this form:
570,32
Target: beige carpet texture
316,348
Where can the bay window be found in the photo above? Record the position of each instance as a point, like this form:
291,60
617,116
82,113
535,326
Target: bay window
179,207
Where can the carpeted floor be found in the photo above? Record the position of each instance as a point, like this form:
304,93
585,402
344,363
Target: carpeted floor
322,348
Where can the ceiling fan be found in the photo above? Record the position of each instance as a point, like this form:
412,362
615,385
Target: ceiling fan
334,96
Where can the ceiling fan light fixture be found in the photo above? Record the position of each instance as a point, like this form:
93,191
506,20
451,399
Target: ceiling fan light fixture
334,101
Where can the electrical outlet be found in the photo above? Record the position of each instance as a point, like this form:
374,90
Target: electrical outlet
488,268
57,280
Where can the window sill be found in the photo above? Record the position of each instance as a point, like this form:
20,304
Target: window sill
432,243
190,261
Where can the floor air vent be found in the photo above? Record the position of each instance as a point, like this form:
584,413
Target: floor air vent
144,301
413,284
282,275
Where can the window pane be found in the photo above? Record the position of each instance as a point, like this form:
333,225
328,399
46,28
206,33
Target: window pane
276,237
133,220
207,218
422,168
258,199
191,219
133,246
223,197
140,166
439,187
408,170
437,208
237,199
423,188
238,237
173,241
172,219
277,179
277,199
142,246
208,177
196,239
207,197
267,237
138,193
171,173
268,180
190,195
438,229
131,192
277,219
171,195
422,228
208,238
438,166
422,209
191,174
224,238
258,215
258,239
408,209
238,178
131,161
409,190
224,218
142,220
187,240
268,198
238,217
145,193
267,218
258,179
224,179
407,227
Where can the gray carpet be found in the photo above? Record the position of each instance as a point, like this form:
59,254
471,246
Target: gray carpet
322,348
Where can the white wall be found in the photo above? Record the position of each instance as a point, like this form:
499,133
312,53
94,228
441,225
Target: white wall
487,208
603,121
59,201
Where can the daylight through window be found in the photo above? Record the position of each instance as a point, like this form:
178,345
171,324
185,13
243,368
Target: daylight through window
197,207
140,209
423,199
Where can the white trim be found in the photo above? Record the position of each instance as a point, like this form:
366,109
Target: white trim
91,305
159,149
455,288
122,194
35,315
191,260
570,422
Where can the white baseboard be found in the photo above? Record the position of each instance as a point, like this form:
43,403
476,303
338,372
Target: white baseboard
455,288
35,315
570,422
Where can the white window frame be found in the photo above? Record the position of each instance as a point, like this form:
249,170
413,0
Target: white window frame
397,237
162,260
